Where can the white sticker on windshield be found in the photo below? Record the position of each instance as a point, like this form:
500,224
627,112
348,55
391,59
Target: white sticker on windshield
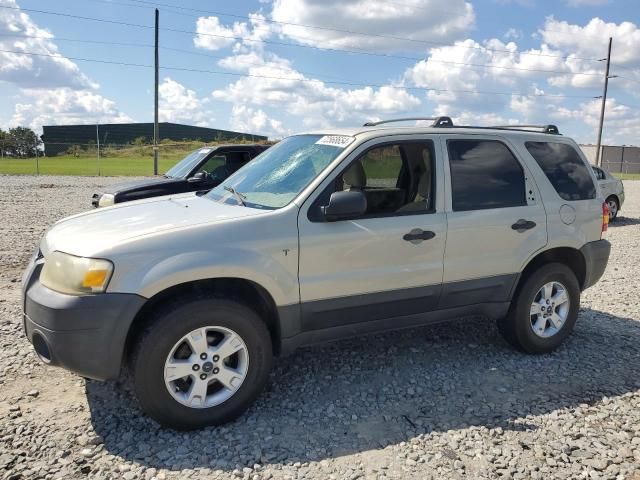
205,150
335,140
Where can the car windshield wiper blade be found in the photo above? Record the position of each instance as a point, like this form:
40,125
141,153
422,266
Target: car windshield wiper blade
240,197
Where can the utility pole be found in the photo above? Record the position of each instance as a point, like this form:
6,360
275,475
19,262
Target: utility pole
98,144
604,101
155,101
37,161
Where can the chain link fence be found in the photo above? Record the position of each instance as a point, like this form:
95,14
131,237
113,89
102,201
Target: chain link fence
615,159
134,159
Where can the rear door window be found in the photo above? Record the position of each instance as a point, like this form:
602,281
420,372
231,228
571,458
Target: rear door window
484,174
564,168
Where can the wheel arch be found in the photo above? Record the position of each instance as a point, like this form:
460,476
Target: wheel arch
571,257
242,290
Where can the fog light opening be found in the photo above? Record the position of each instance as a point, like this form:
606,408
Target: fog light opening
41,347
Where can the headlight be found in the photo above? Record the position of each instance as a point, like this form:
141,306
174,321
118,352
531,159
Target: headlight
106,200
75,275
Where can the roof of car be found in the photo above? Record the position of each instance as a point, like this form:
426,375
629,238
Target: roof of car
373,131
436,125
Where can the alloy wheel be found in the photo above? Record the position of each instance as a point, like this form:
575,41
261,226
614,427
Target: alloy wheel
550,309
206,367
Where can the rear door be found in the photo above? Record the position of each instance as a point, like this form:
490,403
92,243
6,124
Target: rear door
496,220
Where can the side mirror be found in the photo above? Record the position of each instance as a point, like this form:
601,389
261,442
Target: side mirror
198,177
345,205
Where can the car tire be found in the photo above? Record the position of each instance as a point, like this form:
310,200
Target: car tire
534,325
192,401
614,207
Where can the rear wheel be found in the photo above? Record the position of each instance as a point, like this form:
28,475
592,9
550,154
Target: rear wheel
202,362
543,311
612,203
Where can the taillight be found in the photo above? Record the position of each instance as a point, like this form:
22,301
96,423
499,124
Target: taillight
605,217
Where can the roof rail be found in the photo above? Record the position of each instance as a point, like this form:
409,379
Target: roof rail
543,128
437,121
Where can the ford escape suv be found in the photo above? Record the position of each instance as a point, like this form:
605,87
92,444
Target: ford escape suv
325,235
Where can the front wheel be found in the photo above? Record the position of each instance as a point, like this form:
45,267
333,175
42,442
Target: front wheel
202,362
543,311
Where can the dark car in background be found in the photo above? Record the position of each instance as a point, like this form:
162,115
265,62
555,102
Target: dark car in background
201,170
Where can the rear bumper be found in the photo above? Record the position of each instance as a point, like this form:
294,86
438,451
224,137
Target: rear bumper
596,256
84,334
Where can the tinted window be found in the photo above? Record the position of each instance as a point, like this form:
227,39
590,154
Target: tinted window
394,178
564,168
484,174
599,173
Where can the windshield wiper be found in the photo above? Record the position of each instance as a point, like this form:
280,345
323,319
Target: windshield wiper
240,197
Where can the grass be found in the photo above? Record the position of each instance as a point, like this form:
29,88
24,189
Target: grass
87,166
133,160
627,176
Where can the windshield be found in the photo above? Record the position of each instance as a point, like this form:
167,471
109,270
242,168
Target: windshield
184,166
277,176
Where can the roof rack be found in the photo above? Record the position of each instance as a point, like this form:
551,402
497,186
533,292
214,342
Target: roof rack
447,122
543,128
437,121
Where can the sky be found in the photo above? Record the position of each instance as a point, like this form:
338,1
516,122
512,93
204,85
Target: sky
278,67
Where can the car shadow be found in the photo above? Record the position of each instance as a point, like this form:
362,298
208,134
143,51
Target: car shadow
364,394
624,221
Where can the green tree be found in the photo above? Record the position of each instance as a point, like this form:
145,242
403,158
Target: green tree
23,142
3,143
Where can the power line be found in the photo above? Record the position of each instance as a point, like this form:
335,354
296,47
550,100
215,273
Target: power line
351,32
445,62
304,80
148,45
272,42
77,40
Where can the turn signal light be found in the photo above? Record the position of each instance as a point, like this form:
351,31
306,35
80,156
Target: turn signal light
605,217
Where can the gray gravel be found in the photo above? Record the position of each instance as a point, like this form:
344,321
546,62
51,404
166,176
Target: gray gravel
448,401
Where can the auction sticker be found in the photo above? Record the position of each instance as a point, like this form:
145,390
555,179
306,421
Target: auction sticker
340,141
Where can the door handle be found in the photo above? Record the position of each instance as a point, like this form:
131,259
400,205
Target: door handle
417,235
523,225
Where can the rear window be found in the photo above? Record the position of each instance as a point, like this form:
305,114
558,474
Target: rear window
564,168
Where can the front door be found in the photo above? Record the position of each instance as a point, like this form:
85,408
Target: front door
389,262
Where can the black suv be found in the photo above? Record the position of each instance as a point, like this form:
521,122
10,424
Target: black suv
201,170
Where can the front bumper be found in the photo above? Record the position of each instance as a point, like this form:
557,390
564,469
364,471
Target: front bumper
84,334
596,256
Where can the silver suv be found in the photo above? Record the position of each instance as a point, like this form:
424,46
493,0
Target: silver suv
323,236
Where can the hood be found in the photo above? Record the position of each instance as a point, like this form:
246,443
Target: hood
143,182
97,231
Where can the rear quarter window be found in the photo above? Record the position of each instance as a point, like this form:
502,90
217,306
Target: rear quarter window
564,168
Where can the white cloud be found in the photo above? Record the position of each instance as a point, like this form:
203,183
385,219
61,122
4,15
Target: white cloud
513,34
591,40
622,123
247,119
180,104
427,20
65,106
461,85
312,102
587,3
30,71
212,35
51,89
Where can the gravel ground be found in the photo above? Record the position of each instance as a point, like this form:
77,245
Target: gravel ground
448,401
